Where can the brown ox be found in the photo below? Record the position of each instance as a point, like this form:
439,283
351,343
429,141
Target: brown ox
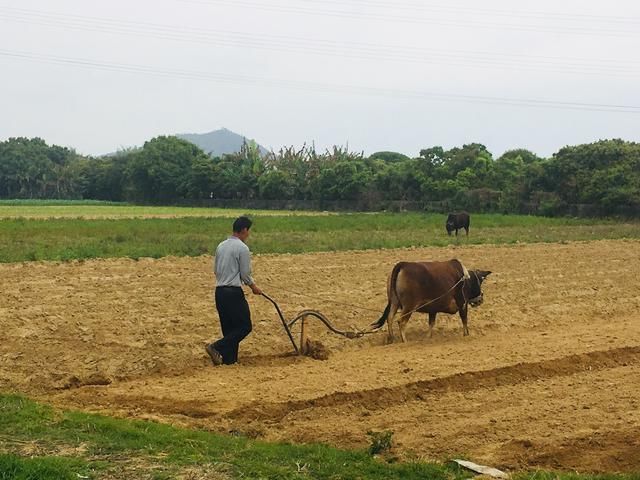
431,287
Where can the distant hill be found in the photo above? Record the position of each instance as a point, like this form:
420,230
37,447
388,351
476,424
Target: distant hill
218,142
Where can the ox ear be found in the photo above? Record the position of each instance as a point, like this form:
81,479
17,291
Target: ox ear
483,274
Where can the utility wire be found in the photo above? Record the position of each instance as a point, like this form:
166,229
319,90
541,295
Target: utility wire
318,87
318,47
25,13
390,17
413,7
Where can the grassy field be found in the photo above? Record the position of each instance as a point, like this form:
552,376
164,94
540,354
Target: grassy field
27,202
42,209
72,238
38,442
46,444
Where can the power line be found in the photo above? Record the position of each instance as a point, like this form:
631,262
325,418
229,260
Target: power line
413,7
164,28
389,17
318,47
318,87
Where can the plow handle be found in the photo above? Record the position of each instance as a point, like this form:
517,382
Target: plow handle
284,323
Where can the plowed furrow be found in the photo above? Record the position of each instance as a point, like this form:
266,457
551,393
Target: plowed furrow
380,398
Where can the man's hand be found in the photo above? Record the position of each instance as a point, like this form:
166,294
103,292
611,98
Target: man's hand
255,289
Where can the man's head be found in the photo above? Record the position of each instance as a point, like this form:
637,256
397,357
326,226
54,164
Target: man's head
241,228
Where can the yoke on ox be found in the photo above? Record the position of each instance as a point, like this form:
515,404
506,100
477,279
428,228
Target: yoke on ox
431,287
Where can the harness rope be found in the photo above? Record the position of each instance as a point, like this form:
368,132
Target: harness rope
357,332
410,312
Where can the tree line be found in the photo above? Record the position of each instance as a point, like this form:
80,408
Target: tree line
169,170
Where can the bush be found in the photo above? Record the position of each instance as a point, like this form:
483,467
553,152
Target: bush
380,441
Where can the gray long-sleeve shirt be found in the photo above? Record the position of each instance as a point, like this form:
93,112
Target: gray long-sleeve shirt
232,264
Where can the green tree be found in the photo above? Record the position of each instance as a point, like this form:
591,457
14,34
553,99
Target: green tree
605,173
162,169
391,157
29,168
276,185
106,177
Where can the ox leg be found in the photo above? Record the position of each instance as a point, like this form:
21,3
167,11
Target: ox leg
390,320
463,317
463,308
402,323
432,323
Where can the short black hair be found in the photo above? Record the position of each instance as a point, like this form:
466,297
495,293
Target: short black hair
241,223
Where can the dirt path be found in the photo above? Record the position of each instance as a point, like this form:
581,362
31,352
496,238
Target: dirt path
550,376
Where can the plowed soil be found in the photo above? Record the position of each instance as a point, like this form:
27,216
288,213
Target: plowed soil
549,377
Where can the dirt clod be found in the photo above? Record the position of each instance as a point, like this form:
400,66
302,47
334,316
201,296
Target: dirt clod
315,349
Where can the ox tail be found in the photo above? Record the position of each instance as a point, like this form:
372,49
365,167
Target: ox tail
383,319
393,297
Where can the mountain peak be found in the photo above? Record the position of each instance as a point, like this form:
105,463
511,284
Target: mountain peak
219,142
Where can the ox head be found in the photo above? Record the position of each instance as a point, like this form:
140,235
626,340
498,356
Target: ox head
451,223
473,286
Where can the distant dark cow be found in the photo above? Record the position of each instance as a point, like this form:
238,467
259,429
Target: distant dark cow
431,287
456,221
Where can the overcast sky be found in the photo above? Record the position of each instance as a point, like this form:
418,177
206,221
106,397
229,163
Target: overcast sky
373,74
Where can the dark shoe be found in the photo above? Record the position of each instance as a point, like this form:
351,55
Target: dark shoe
216,358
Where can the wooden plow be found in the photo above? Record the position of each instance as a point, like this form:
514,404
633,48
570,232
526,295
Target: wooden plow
304,345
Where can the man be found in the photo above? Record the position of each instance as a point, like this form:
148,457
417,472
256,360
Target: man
232,268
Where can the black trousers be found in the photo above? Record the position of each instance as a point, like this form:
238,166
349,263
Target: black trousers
235,320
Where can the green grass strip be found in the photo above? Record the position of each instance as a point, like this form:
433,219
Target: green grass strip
61,209
15,467
70,239
169,450
82,445
48,203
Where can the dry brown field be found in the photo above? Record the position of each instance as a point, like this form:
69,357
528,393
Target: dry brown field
549,377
